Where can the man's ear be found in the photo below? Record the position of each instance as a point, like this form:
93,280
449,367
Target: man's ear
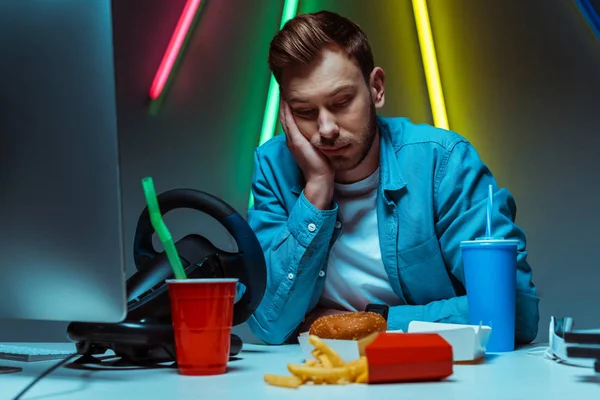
377,86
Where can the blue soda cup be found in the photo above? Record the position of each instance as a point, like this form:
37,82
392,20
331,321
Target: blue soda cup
490,269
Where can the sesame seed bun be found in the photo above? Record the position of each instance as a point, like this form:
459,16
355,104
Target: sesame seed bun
348,326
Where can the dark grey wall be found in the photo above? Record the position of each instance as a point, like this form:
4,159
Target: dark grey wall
521,81
208,125
204,133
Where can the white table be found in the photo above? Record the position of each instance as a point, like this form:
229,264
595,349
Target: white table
515,375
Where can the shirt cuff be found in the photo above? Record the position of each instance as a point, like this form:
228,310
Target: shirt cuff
400,316
307,223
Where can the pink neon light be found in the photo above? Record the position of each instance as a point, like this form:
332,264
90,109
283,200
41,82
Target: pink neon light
166,65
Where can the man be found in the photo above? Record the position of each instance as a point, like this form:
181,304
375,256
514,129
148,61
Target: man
353,209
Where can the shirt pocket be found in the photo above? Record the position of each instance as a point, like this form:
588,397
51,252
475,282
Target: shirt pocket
423,273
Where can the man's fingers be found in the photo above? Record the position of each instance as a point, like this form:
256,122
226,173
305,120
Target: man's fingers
283,123
291,129
294,138
282,115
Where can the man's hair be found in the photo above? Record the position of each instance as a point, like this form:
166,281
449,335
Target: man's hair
302,39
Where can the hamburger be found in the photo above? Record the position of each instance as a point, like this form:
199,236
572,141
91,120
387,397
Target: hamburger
349,326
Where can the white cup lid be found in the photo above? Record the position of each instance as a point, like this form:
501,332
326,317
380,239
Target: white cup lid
489,241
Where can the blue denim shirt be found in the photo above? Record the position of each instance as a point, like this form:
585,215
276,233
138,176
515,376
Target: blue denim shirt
432,195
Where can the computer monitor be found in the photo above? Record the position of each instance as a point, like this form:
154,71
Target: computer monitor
61,229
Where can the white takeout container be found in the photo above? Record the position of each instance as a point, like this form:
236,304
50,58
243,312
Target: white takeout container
347,349
468,341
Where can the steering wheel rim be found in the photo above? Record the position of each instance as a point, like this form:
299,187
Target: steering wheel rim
252,271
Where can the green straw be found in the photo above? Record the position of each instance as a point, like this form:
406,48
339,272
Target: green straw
161,229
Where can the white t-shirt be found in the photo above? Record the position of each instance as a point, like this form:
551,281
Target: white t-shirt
355,272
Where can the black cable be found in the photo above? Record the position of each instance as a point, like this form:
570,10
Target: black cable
46,373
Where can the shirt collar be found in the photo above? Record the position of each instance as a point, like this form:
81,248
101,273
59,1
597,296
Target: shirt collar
392,180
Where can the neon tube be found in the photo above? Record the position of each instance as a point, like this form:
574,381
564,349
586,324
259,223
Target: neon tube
290,7
174,48
432,75
590,14
272,107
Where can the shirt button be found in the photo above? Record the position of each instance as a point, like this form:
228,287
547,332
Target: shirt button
338,224
312,227
321,273
290,276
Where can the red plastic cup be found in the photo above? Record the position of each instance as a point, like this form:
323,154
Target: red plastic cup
202,313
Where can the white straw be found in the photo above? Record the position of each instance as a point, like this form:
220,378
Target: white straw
488,227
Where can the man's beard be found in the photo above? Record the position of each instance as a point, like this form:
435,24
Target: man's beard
364,141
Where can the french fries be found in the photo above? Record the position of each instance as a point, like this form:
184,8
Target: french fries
327,368
327,351
283,381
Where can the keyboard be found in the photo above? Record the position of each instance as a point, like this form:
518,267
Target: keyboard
23,353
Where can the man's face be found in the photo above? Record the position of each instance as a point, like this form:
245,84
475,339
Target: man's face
333,107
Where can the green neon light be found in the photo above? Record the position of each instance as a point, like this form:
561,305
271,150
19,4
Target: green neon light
290,8
271,111
272,107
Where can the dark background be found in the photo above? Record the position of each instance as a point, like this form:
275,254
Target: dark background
521,81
